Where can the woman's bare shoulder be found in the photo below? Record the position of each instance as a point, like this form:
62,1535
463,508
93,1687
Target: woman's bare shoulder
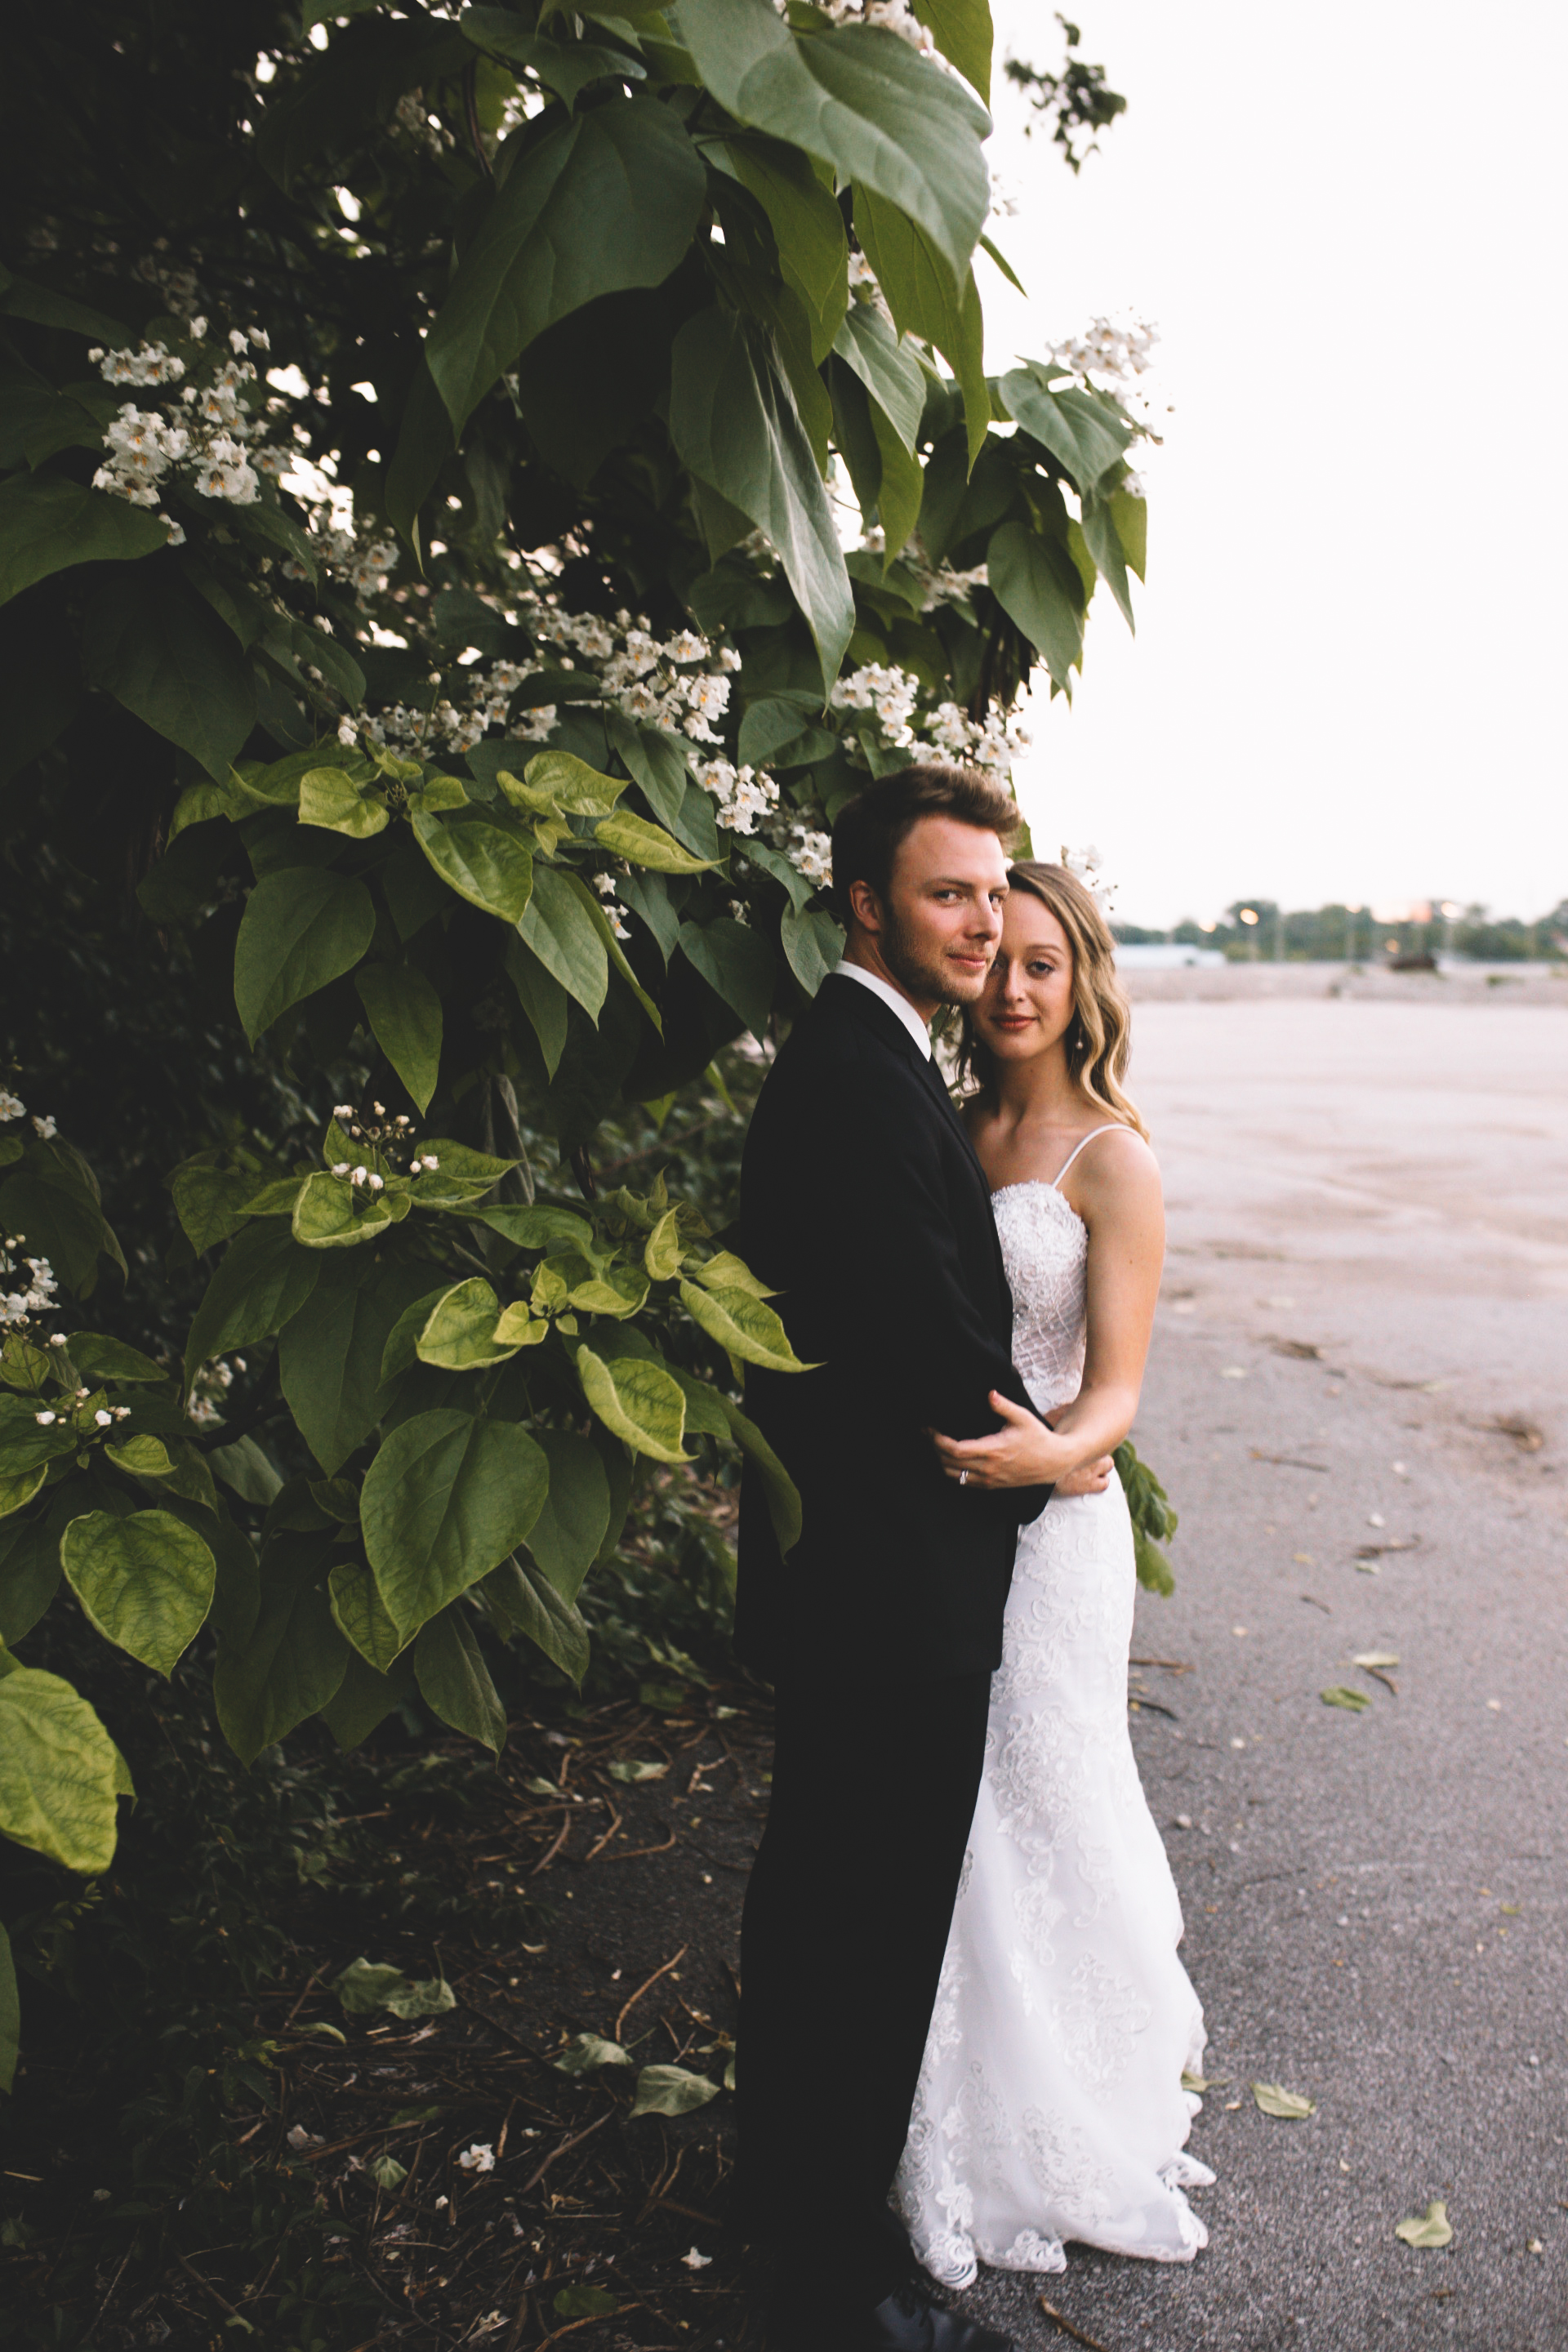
1118,1171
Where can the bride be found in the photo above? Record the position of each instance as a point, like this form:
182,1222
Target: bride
1050,2103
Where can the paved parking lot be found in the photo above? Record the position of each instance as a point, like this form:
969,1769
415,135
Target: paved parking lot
1363,1341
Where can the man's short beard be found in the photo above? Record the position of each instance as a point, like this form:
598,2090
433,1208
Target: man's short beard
924,979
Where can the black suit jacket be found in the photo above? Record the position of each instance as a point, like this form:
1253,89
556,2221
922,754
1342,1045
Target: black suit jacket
863,1203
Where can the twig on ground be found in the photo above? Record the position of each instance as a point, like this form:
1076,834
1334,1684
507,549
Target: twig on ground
636,1996
1068,2329
535,2178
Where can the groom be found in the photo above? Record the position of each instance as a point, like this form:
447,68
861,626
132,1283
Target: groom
864,1206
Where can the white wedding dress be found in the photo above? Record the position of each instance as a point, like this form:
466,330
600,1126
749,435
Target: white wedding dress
1050,2102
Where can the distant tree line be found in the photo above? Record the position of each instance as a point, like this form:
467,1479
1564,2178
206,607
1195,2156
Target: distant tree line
1259,929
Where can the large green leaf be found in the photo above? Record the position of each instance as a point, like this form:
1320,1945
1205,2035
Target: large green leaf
404,1015
454,1681
448,1497
733,420
779,1489
365,1698
1078,429
608,200
360,1614
161,650
145,1581
577,1514
10,2015
540,995
303,927
925,301
294,1661
962,32
1104,543
559,930
891,373
330,1355
58,1773
571,783
525,1601
637,1401
263,1278
862,99
30,1571
482,860
807,227
1036,583
47,523
737,962
813,945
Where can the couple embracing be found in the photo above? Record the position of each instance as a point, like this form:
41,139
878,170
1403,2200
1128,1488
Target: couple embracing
963,2021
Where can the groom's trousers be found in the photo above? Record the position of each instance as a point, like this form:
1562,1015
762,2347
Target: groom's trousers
845,1922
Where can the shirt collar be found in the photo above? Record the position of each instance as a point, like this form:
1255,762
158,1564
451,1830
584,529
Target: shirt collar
894,1002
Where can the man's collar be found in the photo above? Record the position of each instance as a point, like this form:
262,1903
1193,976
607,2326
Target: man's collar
895,1002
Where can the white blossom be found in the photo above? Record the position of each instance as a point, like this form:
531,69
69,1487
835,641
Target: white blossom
479,2157
696,2262
1086,863
11,1106
104,1420
45,1420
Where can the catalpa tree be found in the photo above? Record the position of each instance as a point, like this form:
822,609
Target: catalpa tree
481,489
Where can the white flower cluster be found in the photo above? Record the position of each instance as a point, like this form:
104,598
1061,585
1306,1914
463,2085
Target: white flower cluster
740,793
365,561
892,15
1112,356
805,847
605,885
681,685
34,1296
943,729
1084,864
208,434
208,1390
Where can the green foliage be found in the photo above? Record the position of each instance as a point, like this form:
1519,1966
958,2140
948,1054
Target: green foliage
406,558
1153,1521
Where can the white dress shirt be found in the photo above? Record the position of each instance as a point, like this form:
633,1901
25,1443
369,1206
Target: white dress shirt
894,1002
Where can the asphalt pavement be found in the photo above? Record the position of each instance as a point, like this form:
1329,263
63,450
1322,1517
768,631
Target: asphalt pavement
1363,1342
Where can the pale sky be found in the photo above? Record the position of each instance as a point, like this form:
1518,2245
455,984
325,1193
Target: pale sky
1348,677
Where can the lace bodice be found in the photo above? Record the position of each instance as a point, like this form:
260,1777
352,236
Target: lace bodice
1045,1247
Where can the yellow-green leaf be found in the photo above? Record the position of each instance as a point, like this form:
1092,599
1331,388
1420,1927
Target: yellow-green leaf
57,1772
332,1213
17,1490
642,844
144,1457
331,798
725,1271
671,2091
517,1328
1432,2228
1339,1695
622,1292
145,1581
662,1252
571,783
638,1401
742,1326
1290,2106
461,1331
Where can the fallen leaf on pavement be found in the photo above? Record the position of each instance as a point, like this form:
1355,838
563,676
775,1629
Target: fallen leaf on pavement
628,1771
1525,1433
1338,1695
586,2051
1370,1658
1272,2099
671,2091
1206,2082
1428,2229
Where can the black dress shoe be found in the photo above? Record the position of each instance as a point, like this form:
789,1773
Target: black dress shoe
908,2320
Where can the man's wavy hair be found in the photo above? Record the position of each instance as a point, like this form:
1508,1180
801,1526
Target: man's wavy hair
869,831
1099,1035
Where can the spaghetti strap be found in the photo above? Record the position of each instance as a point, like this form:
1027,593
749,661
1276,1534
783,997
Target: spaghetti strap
1072,1155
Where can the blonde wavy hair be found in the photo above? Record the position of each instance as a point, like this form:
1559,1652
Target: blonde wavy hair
1099,1036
